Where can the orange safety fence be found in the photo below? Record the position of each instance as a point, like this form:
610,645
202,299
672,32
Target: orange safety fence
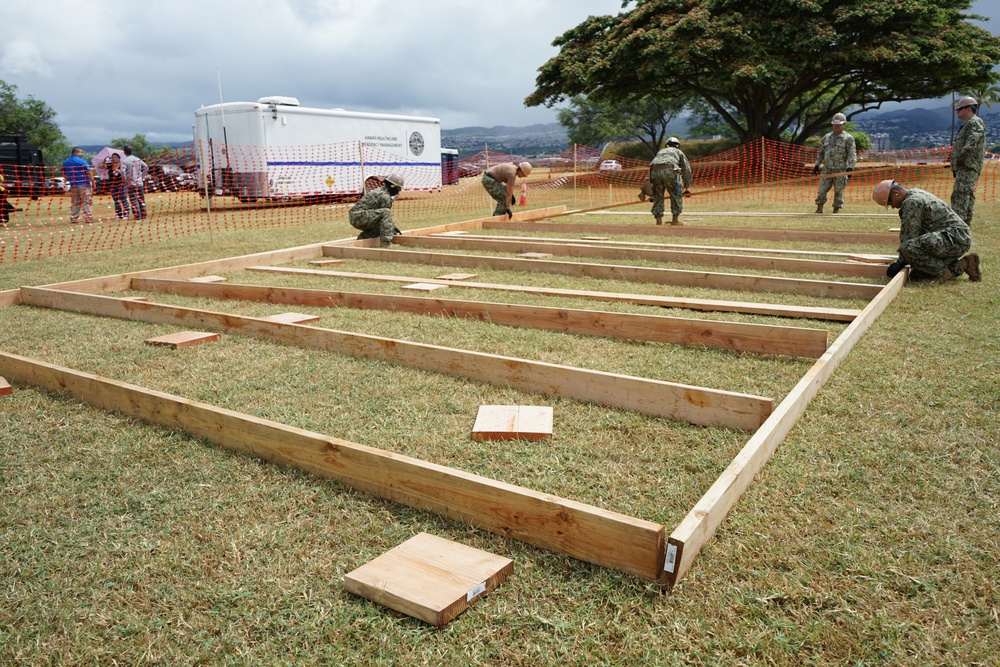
253,188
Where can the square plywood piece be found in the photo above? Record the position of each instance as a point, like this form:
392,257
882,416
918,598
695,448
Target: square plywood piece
291,318
326,262
429,578
423,287
207,279
457,276
5,387
513,422
184,339
536,255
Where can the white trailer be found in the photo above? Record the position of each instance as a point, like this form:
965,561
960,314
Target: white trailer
275,149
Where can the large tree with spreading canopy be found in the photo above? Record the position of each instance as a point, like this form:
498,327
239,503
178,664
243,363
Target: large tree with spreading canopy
773,66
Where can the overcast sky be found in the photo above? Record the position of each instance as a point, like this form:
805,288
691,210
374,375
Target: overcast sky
117,68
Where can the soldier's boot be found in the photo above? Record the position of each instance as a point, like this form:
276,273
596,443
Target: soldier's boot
970,264
384,243
836,209
945,276
676,219
819,208
659,219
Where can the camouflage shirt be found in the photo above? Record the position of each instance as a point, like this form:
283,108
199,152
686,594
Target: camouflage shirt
837,152
376,199
970,146
922,213
676,157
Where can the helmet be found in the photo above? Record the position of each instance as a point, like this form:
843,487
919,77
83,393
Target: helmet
525,168
395,179
673,141
967,101
881,192
838,119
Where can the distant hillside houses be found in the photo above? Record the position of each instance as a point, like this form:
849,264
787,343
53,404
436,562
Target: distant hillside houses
923,128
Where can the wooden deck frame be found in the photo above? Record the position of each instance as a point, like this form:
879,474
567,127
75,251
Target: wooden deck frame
405,482
736,336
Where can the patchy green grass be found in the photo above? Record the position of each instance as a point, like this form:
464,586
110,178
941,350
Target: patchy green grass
870,538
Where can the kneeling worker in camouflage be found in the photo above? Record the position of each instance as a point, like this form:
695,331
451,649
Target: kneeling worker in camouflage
373,212
668,171
499,182
933,239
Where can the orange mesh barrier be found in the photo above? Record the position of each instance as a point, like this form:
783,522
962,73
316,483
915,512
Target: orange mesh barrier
307,184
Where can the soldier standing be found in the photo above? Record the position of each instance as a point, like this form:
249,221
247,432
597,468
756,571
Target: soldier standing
373,212
967,157
668,171
836,154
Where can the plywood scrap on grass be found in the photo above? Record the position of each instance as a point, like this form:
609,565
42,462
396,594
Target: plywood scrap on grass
423,287
513,422
429,578
182,339
292,318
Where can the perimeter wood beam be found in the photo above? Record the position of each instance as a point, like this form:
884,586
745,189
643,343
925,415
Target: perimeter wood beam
696,405
687,231
465,243
686,541
737,336
780,310
565,526
725,281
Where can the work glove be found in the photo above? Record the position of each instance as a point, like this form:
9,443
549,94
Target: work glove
816,170
395,230
510,214
894,268
513,200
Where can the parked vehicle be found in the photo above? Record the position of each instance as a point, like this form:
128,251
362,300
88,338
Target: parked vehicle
56,185
22,166
275,149
169,178
611,165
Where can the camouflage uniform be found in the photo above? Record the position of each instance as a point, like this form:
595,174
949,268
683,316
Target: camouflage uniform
664,179
373,215
932,237
966,163
498,191
836,154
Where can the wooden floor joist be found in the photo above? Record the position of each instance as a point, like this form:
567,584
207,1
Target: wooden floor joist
732,261
565,526
696,405
778,310
707,279
737,336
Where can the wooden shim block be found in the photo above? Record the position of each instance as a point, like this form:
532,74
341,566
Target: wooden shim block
5,387
423,287
183,339
565,526
326,262
738,336
700,524
536,255
456,276
513,422
781,310
698,405
429,578
292,318
208,279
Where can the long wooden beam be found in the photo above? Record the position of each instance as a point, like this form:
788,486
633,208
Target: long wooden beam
565,526
700,524
737,336
697,405
477,223
780,310
741,261
687,231
724,281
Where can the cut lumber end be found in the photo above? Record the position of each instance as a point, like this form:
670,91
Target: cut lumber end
423,287
512,422
429,578
5,387
291,318
184,339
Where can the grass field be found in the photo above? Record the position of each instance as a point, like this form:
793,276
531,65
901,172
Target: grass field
871,537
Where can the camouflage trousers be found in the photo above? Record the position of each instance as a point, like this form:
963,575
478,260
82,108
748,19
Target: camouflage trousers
963,196
932,253
838,184
374,221
498,191
664,182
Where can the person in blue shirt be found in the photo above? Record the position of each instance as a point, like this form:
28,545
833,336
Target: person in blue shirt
81,183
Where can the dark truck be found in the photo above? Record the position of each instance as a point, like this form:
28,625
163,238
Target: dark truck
22,166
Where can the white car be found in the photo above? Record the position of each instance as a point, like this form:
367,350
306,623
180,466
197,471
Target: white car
57,184
611,165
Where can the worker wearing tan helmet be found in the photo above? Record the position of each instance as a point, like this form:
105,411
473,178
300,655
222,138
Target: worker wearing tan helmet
837,154
499,181
373,212
967,157
933,239
670,175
